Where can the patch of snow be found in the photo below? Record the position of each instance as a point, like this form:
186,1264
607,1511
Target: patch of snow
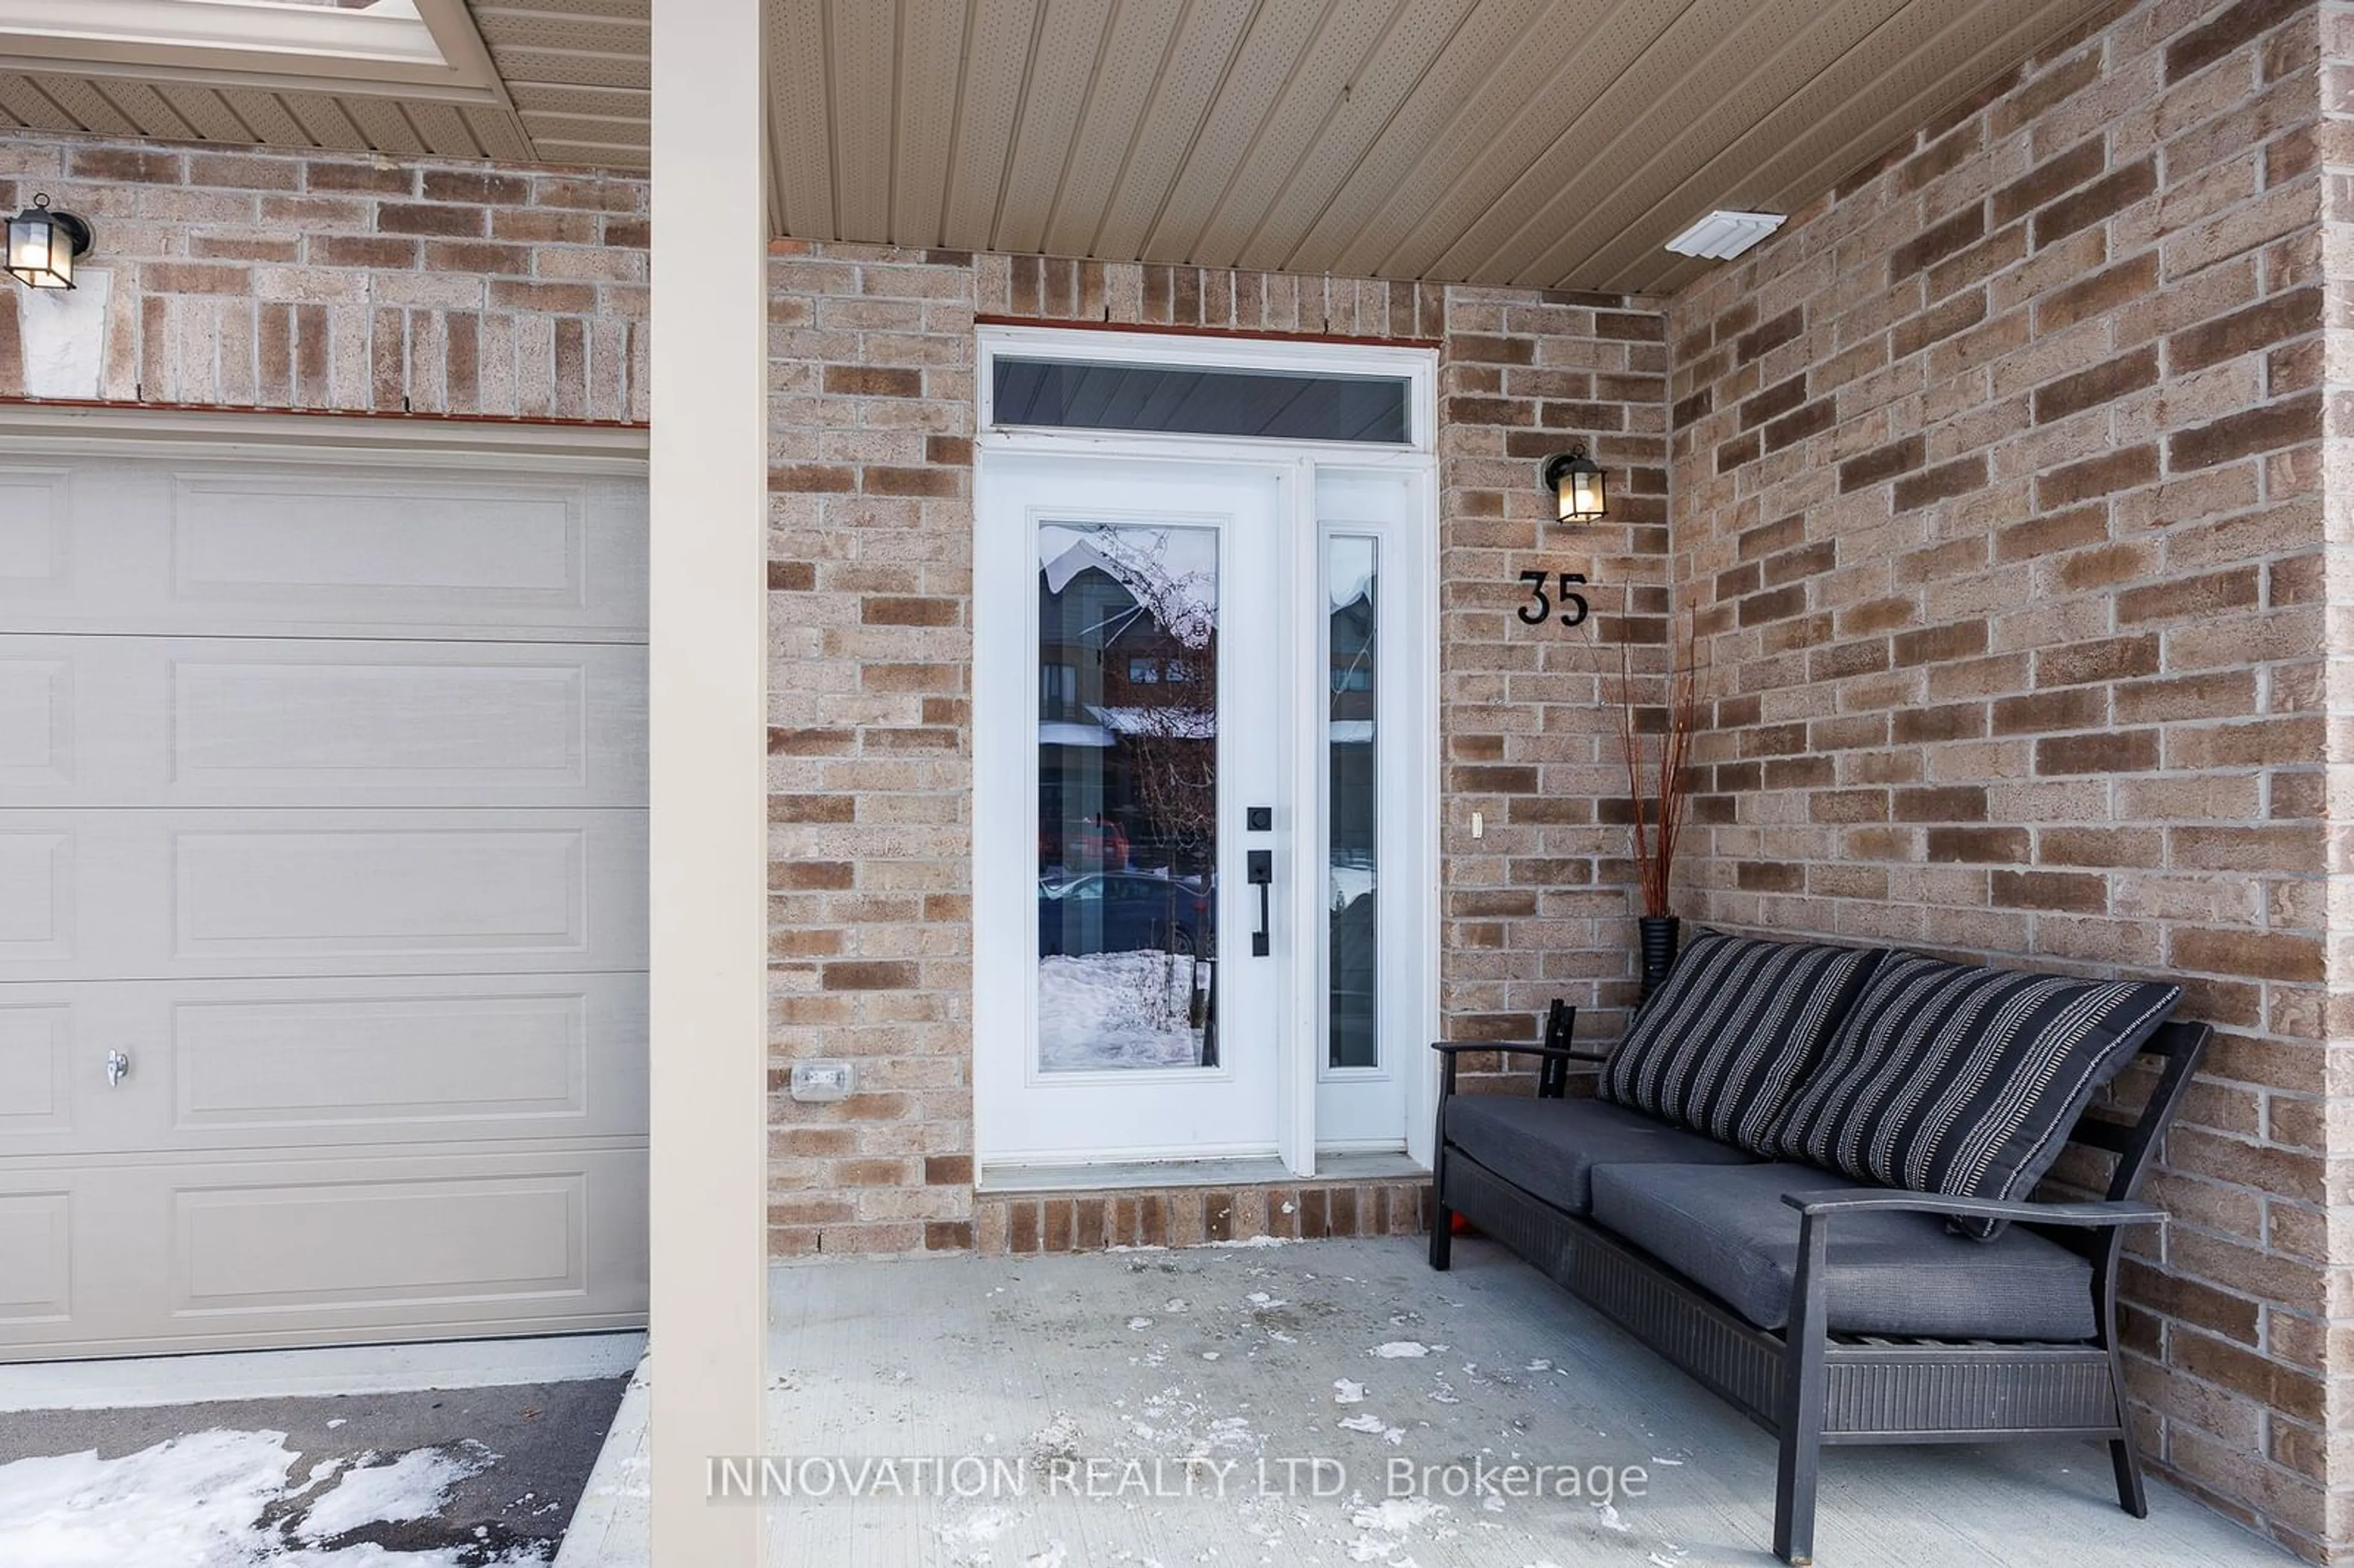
1402,1350
414,1486
1058,1439
1368,1422
1246,1244
1396,1516
1052,1557
1174,1304
1116,1009
1608,1515
200,1499
1139,1323
986,1525
1348,1392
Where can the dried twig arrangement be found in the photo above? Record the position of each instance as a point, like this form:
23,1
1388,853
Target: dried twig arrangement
1661,798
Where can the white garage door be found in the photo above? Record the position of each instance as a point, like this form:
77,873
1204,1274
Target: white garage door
323,938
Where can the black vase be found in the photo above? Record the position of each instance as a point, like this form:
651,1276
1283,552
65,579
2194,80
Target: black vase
1657,934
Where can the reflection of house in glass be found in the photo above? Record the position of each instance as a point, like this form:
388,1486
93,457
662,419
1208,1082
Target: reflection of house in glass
1127,795
1351,802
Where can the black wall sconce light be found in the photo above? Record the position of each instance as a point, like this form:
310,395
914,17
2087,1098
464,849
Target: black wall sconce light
1572,477
44,244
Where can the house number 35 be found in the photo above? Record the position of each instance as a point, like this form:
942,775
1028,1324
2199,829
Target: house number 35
1539,610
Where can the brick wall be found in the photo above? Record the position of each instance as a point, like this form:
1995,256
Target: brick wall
260,280
1999,505
871,564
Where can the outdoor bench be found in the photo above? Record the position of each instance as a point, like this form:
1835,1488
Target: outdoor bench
1804,1179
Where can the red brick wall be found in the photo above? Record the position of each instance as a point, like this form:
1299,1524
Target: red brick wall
1999,505
262,279
871,561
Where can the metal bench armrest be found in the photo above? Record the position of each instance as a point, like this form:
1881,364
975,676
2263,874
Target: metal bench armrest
1812,1204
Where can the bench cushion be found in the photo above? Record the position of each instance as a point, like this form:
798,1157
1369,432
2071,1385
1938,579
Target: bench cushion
1549,1147
1736,1027
1728,1229
1957,1079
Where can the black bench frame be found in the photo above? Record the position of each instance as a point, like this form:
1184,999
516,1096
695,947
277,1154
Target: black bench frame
1813,1389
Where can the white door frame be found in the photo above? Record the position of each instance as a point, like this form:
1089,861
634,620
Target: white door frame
1302,739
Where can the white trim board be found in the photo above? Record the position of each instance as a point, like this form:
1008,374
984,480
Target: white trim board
421,49
82,430
148,1381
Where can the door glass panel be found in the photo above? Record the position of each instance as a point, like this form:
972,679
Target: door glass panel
1127,797
1205,402
1352,805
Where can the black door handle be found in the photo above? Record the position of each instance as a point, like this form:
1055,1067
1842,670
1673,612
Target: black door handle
1261,875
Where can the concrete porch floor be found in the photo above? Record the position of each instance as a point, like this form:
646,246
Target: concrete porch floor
1244,1358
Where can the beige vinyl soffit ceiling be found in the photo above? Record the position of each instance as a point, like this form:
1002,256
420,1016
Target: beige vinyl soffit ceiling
1557,142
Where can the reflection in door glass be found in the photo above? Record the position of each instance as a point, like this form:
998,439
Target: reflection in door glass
1352,805
1127,797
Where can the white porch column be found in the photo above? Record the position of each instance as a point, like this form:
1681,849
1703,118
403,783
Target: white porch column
708,704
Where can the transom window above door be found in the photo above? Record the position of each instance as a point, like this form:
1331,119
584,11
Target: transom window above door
1077,381
1183,401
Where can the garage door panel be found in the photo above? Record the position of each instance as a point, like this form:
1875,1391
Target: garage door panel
321,1063
133,721
34,546
382,541
100,895
36,882
36,723
374,892
297,549
222,1253
36,1068
36,1257
404,1240
368,1061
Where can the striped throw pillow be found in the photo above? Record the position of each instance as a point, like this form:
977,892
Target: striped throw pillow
1731,1033
1963,1081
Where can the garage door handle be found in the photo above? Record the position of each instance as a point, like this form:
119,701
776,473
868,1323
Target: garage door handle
118,1067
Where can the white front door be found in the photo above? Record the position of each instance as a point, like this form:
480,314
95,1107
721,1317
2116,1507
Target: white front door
1178,734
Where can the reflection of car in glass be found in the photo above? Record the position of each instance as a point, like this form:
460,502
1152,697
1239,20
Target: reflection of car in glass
1090,843
1123,912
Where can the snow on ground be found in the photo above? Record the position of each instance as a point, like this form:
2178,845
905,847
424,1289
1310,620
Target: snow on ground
1116,1009
224,1500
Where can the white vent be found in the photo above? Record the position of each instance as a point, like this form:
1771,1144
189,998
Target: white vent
1721,236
